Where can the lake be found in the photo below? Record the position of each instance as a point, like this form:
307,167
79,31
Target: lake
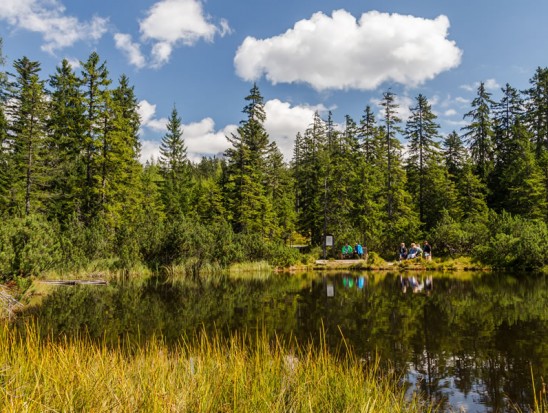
471,341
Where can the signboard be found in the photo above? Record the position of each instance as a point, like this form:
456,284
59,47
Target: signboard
329,240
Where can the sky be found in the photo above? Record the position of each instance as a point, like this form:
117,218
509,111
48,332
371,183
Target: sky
203,56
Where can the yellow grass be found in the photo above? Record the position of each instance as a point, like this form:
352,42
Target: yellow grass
240,374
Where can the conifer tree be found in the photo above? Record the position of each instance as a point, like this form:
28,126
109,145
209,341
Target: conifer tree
4,141
401,219
479,133
174,163
455,154
422,131
65,142
245,192
27,111
310,171
367,191
118,164
95,82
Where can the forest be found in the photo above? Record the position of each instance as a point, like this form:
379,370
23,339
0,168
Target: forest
73,191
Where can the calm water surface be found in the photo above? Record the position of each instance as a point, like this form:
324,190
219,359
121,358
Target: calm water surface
468,341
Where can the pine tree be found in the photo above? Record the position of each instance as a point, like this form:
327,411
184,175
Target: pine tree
279,186
4,140
310,166
401,219
455,154
27,111
118,165
65,143
177,185
422,131
479,133
245,192
95,91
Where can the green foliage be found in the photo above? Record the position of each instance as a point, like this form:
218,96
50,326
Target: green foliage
28,246
514,242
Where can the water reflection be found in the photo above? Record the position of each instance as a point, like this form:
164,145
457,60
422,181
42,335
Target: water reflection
469,342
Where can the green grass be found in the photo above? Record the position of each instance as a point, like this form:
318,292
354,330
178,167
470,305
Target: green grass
240,374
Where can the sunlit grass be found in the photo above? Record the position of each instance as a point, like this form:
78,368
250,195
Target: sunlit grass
240,374
255,270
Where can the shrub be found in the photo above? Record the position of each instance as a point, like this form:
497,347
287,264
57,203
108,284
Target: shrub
28,246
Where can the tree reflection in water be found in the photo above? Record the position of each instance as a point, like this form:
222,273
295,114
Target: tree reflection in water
463,341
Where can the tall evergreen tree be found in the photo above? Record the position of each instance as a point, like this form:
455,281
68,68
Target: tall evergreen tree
455,154
401,219
479,133
65,142
4,141
27,111
245,191
95,82
176,189
422,131
310,166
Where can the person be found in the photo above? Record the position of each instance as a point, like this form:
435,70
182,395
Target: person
419,250
412,253
402,251
347,251
358,250
427,251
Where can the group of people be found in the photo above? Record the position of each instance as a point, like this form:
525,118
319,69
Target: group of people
415,251
349,252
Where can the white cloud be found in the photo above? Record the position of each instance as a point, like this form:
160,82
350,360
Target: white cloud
404,103
130,49
490,84
338,52
450,112
172,22
201,138
462,101
48,18
146,113
73,62
284,121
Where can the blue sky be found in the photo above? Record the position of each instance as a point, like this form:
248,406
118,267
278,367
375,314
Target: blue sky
338,55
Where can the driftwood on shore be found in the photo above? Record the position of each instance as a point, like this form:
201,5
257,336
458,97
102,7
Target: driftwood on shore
8,304
74,282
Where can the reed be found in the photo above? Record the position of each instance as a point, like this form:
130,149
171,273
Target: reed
202,374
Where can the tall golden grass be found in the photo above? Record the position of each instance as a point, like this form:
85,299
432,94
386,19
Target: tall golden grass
238,374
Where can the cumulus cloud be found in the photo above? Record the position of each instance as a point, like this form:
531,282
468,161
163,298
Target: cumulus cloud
170,23
130,49
147,112
339,52
284,121
48,18
201,138
450,112
282,124
490,84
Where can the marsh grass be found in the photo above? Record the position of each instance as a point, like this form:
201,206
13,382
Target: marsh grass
205,374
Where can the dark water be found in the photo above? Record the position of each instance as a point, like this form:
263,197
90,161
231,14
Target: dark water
470,342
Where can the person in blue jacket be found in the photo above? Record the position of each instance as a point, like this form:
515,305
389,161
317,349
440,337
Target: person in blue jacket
358,250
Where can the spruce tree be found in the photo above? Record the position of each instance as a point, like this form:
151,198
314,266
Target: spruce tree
95,82
174,163
422,132
65,143
479,133
27,112
247,199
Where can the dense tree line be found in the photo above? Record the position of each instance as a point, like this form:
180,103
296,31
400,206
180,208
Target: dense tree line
72,189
